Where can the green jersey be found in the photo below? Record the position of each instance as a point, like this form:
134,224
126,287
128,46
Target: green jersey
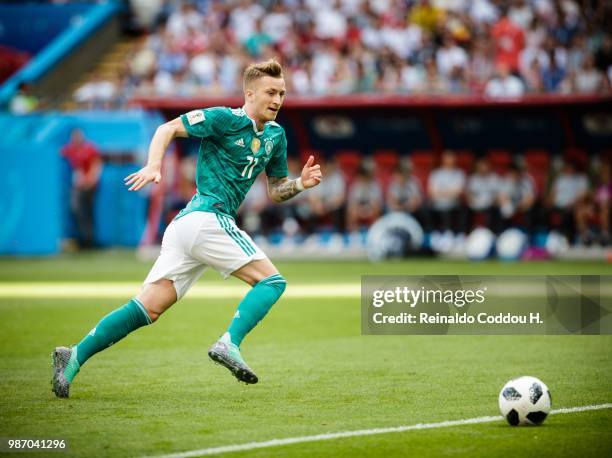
232,153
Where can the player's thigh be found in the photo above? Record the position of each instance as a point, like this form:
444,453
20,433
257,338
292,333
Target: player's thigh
228,249
175,266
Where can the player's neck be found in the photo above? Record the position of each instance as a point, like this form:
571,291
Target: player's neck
250,113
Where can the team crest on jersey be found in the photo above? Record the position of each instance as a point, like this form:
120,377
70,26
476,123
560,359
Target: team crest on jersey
268,145
195,116
255,144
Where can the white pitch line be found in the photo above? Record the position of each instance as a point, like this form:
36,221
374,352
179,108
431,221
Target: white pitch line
361,432
46,290
117,290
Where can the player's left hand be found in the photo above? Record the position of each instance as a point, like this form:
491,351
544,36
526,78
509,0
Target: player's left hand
311,174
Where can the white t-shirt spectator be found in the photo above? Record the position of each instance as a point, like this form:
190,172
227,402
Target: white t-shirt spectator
568,188
521,15
332,189
204,67
329,23
403,41
365,193
413,78
588,81
507,87
101,91
451,5
449,58
446,180
483,12
242,20
277,25
482,190
405,191
180,21
300,79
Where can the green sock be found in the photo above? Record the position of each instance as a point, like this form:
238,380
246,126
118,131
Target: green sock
255,306
112,328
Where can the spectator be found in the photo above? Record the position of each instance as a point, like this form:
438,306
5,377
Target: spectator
450,57
603,196
327,201
589,79
345,46
509,41
426,15
258,40
480,67
521,14
504,85
405,193
482,194
603,56
277,22
98,93
592,214
445,189
517,199
532,76
553,75
568,189
186,17
86,166
364,202
23,102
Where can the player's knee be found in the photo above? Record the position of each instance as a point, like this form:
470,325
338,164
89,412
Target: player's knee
153,315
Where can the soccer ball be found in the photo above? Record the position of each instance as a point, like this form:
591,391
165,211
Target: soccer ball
524,401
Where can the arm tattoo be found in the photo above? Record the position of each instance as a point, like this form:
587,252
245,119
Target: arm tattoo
282,189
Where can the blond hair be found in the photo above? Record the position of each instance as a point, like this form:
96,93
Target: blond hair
260,69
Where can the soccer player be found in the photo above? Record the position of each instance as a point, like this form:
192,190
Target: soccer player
237,145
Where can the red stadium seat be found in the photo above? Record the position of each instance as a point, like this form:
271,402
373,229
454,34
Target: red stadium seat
465,160
386,162
500,160
349,162
423,162
305,154
386,159
578,157
538,166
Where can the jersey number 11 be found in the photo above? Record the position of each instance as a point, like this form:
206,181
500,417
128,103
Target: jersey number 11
250,166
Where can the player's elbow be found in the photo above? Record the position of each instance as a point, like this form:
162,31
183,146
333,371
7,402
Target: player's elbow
172,129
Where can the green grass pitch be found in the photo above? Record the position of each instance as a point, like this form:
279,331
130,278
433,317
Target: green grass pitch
156,392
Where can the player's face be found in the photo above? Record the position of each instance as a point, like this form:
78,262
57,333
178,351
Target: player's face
266,96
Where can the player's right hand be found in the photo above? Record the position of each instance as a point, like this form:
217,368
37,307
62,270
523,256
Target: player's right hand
145,175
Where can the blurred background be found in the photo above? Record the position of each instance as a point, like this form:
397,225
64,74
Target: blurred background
451,128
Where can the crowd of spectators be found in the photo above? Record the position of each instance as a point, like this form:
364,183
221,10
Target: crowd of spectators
493,47
573,200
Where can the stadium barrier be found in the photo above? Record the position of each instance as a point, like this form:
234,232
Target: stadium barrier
35,182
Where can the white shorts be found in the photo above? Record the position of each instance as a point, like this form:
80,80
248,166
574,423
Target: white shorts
198,240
